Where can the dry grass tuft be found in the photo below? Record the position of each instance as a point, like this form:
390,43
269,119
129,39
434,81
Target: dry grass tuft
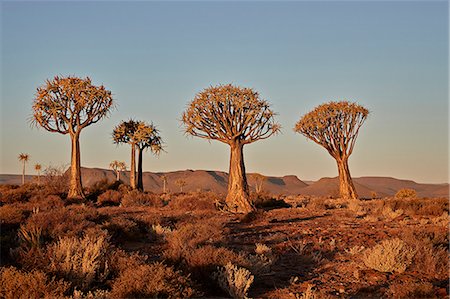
390,256
18,284
234,280
152,281
81,261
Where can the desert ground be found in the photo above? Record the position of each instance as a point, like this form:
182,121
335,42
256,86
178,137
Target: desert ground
120,243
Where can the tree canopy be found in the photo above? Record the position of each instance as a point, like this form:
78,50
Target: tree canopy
334,125
68,104
230,113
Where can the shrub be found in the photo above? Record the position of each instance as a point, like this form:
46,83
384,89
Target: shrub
390,256
67,221
11,214
122,228
234,280
262,249
152,281
137,198
406,193
109,198
189,236
203,261
81,261
411,289
18,284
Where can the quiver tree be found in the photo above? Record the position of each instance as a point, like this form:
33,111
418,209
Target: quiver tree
181,183
117,167
124,133
140,136
148,138
38,168
335,126
164,180
235,116
24,159
259,180
66,105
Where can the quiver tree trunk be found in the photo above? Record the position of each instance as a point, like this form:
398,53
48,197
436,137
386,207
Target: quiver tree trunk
238,197
133,167
75,187
23,172
118,175
346,188
140,184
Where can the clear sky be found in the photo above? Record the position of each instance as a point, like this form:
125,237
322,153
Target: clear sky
391,57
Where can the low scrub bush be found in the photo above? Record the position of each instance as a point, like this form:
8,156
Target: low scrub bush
109,198
203,261
234,280
406,193
122,228
411,289
152,281
18,284
189,236
390,256
12,215
81,261
68,221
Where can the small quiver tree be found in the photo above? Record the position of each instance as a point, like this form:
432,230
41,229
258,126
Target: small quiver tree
66,105
125,133
140,136
335,126
117,167
38,168
148,138
24,159
235,116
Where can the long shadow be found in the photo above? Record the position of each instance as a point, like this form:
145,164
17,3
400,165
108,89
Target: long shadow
298,219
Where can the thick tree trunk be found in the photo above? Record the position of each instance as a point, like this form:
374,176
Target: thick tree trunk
75,187
346,187
133,167
23,172
140,184
238,197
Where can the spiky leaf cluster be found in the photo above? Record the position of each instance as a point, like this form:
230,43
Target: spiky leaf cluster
230,113
68,104
145,136
334,125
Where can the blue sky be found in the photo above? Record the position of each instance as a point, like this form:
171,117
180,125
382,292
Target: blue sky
391,57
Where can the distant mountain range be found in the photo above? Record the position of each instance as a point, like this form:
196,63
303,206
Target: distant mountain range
216,181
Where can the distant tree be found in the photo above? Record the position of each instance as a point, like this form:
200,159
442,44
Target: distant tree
117,167
66,105
38,168
148,138
164,179
259,180
235,116
181,183
24,159
140,136
125,133
335,126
